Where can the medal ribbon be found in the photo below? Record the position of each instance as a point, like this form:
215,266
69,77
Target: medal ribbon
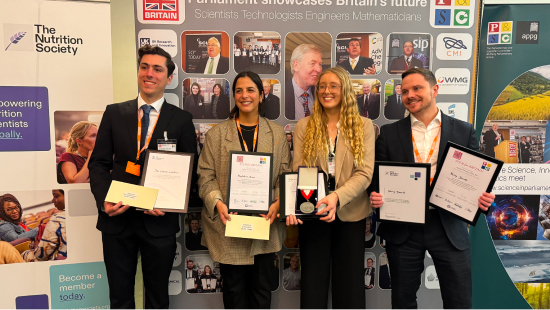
139,134
255,135
306,196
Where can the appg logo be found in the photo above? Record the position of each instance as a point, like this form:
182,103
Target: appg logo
454,46
452,13
500,33
161,11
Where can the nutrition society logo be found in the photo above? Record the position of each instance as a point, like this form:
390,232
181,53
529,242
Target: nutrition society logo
40,38
452,13
18,37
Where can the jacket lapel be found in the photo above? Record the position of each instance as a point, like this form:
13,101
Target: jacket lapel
405,134
265,137
341,154
447,124
162,123
129,112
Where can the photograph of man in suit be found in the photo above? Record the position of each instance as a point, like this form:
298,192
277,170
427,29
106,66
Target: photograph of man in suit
444,236
368,102
394,108
292,276
191,277
405,61
357,64
244,61
215,63
369,274
306,63
271,106
193,236
127,231
492,138
237,56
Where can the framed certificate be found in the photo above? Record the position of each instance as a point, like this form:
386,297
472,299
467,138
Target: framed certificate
288,184
462,177
170,173
250,181
405,191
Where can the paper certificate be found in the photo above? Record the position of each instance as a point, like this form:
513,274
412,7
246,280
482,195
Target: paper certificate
171,174
462,178
133,195
404,188
250,182
249,227
289,182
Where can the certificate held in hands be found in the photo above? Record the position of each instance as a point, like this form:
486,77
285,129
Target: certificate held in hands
404,188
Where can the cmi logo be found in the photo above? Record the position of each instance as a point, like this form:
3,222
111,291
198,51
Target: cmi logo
500,33
161,11
454,46
452,13
416,176
486,166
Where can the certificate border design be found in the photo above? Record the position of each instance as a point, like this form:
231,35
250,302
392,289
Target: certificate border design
426,170
270,197
487,158
189,176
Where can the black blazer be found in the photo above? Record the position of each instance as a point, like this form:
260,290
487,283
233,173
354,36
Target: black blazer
362,64
290,113
393,110
116,144
198,111
398,64
223,65
373,105
222,109
271,107
395,144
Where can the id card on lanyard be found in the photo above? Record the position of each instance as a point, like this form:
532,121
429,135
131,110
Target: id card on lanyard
133,167
332,156
166,144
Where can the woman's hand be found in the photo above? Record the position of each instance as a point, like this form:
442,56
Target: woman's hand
292,220
331,201
376,200
273,212
223,211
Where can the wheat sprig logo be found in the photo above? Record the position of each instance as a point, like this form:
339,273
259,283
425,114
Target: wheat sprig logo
16,38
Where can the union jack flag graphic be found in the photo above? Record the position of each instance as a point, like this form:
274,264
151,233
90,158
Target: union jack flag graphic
161,5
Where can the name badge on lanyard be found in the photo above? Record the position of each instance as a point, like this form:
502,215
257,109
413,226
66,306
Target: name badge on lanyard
168,145
331,164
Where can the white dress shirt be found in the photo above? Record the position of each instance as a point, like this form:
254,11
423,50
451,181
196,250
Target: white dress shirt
153,114
424,137
215,67
351,63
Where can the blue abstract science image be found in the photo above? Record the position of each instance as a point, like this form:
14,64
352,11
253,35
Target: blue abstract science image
514,217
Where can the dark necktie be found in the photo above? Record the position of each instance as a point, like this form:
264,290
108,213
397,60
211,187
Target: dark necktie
144,123
399,100
305,97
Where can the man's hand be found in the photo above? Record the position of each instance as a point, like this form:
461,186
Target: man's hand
115,209
376,200
370,71
273,212
154,212
485,201
331,201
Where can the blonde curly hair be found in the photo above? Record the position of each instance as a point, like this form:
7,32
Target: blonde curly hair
316,138
78,131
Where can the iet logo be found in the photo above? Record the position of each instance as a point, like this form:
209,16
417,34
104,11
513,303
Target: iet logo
462,17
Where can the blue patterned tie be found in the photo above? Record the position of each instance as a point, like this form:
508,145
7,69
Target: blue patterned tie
144,123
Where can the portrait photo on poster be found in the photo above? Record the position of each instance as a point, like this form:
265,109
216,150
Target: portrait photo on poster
408,50
359,53
206,52
206,98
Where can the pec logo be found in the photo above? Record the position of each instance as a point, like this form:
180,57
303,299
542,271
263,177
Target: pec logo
486,166
499,33
452,13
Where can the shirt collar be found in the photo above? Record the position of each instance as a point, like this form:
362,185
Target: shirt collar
156,105
298,91
356,58
415,122
217,57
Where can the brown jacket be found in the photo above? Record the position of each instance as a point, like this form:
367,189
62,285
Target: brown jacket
351,181
213,173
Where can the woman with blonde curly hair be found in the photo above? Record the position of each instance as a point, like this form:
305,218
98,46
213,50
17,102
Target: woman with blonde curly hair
73,164
340,142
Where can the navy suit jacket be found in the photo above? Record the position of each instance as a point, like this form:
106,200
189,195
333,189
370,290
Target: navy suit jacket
362,64
116,144
395,144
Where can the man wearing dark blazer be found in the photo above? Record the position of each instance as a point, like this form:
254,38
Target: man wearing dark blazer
368,102
394,108
443,235
405,61
357,64
492,138
125,230
214,63
369,271
271,106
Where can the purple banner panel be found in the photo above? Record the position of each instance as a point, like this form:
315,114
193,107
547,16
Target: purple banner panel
24,119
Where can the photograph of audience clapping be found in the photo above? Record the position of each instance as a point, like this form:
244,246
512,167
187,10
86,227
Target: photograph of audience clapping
32,226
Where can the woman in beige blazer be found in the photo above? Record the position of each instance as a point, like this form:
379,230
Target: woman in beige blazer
245,263
340,142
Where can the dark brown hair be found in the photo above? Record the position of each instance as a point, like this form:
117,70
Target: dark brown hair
9,198
427,74
155,50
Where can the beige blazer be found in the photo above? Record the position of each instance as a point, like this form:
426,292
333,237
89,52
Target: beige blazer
351,181
213,170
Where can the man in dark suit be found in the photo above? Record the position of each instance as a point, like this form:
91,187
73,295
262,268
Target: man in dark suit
443,235
405,61
214,63
369,103
394,107
492,138
193,237
271,106
191,277
369,274
357,64
118,155
306,63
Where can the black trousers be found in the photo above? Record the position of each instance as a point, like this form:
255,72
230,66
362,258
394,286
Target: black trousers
339,243
248,286
120,253
453,268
